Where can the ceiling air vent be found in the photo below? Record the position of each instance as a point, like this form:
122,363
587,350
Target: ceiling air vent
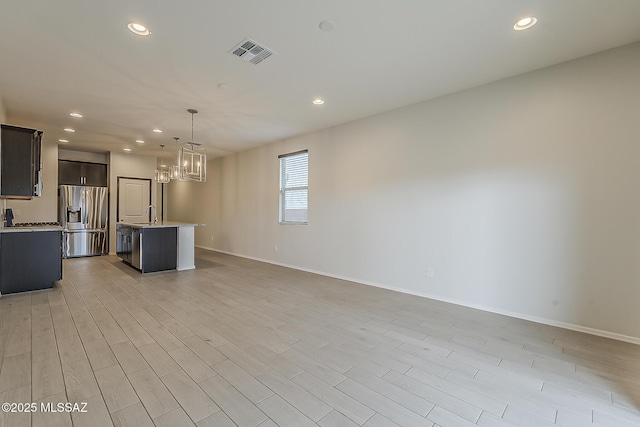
251,51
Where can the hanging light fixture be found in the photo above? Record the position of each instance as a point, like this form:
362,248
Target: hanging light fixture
162,174
192,160
174,170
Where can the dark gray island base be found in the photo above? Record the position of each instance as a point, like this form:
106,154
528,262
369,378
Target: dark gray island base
30,259
148,249
161,246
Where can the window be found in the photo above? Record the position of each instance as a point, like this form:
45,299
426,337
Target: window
294,187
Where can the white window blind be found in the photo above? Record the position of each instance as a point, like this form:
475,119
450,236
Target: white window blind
294,187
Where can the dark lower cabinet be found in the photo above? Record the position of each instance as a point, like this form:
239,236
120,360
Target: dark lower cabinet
30,260
159,248
148,249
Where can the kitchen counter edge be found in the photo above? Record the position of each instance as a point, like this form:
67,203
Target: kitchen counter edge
30,229
160,224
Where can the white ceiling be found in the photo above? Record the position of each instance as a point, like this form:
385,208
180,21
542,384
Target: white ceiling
58,56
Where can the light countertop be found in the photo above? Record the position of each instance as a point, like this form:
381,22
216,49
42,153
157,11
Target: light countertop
30,229
159,224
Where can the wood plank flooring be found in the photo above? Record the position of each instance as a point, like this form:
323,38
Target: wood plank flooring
239,342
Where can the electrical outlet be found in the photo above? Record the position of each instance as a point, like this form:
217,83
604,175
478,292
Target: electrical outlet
430,272
275,249
212,237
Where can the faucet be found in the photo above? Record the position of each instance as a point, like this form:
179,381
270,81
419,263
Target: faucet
155,218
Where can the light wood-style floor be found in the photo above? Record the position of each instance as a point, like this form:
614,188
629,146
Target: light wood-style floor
239,342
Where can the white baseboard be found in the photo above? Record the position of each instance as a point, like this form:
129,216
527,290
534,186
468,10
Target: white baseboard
544,321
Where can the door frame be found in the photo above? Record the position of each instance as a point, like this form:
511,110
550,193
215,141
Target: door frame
118,194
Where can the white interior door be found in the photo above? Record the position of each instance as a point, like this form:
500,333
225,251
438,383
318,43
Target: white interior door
134,197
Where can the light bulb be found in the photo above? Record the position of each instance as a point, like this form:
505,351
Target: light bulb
138,29
525,23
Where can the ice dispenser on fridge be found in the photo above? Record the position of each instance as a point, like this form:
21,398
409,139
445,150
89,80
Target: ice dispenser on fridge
74,218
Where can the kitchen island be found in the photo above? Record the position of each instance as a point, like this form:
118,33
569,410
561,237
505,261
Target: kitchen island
156,246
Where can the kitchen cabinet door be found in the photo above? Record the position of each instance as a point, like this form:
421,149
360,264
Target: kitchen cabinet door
69,173
159,249
30,260
19,168
95,174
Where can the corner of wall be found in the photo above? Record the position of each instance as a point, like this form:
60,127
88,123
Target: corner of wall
3,111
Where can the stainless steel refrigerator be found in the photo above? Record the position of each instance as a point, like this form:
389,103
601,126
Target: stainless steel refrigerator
83,214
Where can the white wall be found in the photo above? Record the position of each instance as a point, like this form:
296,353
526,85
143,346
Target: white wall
126,166
3,112
522,195
181,202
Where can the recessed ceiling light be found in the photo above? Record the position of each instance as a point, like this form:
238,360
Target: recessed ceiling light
138,29
157,131
327,25
78,115
525,23
64,141
69,130
127,149
318,101
139,141
222,86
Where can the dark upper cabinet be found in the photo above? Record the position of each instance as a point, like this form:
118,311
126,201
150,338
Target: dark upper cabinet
20,175
82,173
95,174
69,173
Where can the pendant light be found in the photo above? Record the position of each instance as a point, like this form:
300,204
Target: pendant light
174,170
192,160
162,174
